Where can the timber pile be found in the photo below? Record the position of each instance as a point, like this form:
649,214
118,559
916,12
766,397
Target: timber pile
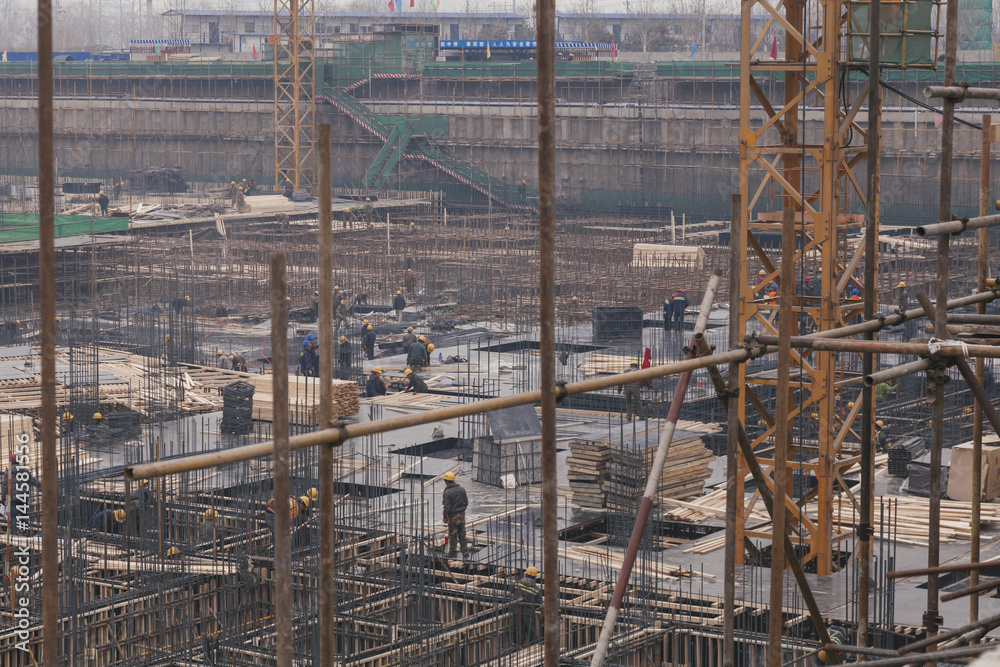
684,470
303,398
609,364
588,471
269,204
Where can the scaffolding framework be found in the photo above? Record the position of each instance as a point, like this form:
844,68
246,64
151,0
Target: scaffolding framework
294,94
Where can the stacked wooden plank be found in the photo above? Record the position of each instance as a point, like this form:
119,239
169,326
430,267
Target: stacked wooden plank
610,364
303,398
588,471
684,471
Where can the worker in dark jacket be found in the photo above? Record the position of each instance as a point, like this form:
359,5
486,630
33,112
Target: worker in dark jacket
107,521
238,362
668,312
454,502
398,304
375,385
409,338
416,356
529,601
307,357
368,340
103,201
341,313
414,383
633,398
344,357
680,302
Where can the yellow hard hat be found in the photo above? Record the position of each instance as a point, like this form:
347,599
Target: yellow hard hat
879,423
506,228
342,340
101,331
409,328
120,516
217,352
355,295
574,299
413,224
850,405
241,188
364,321
122,183
173,551
532,571
367,198
407,372
762,272
377,369
430,347
211,514
101,192
814,415
313,494
67,415
967,411
398,292
369,327
336,287
232,182
288,298
523,181
304,500
449,476
371,224
167,337
187,298
422,339
901,284
98,415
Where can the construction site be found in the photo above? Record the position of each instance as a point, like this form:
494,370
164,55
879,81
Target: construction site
709,345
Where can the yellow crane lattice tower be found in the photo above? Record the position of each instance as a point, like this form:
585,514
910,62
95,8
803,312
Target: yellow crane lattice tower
294,94
783,165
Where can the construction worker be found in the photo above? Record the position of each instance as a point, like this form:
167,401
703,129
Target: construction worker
103,201
109,522
66,423
368,342
116,191
98,418
252,187
414,383
680,303
238,363
210,528
837,636
308,361
289,189
344,358
758,290
668,312
341,314
220,359
633,398
881,438
293,513
172,553
883,390
529,601
454,502
241,202
232,192
417,355
409,338
375,385
522,189
398,304
409,282
369,210
337,296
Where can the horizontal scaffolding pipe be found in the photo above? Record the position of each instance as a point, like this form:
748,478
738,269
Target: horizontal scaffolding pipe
958,226
959,93
882,347
956,632
902,370
973,318
937,656
338,434
942,569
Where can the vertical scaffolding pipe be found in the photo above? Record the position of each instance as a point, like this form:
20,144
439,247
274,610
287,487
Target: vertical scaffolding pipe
732,441
545,21
282,483
932,619
781,437
653,481
327,646
864,529
47,303
977,410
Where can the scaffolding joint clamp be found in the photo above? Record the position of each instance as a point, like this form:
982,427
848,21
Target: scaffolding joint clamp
728,393
932,617
864,531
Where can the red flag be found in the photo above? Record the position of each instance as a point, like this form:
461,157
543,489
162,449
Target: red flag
646,358
411,3
774,48
392,6
255,52
614,50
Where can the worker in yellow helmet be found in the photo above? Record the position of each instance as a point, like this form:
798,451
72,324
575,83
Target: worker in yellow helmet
103,201
368,341
173,552
344,352
375,386
109,521
409,338
398,304
414,383
454,502
529,603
